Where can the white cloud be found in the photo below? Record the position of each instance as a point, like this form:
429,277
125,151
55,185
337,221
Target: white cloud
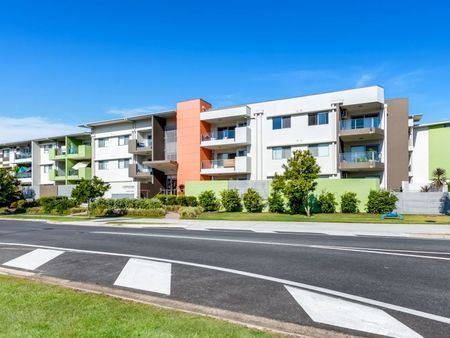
364,79
126,112
33,127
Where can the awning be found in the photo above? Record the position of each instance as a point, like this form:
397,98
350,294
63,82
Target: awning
166,166
80,165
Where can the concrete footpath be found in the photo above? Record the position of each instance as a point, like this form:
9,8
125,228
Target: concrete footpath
435,231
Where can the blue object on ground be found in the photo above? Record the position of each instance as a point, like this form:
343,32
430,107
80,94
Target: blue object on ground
392,215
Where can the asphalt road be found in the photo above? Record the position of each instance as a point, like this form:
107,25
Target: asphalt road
359,285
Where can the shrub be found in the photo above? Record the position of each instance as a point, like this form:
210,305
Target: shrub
276,202
36,211
171,200
76,210
231,201
56,205
381,202
13,205
182,201
102,203
4,211
153,213
173,208
327,202
208,201
253,201
162,198
191,201
190,212
349,203
108,212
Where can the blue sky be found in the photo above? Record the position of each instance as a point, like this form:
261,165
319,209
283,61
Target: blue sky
64,63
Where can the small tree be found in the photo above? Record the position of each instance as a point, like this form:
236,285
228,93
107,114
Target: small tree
231,201
327,202
349,203
381,202
88,190
208,201
9,188
253,201
276,199
439,178
299,177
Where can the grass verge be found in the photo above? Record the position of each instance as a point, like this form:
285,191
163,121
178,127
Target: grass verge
337,217
49,217
34,309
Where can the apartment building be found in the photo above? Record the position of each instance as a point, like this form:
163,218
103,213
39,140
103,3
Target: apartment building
353,133
431,144
136,155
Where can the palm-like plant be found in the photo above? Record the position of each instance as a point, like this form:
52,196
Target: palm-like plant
439,178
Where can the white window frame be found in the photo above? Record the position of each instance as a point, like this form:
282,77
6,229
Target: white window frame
102,142
121,161
123,140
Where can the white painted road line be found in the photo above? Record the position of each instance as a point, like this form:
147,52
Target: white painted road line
341,313
146,275
312,246
340,294
34,259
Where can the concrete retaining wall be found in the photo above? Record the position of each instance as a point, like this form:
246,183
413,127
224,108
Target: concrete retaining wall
429,203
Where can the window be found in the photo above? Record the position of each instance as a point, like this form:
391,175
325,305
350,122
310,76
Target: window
279,153
318,118
319,150
242,152
281,122
102,142
123,140
124,163
242,124
102,165
47,168
47,148
6,154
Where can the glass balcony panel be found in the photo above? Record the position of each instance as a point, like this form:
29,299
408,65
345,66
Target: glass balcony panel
363,156
358,123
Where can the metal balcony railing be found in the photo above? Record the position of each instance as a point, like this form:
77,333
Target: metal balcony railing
219,135
21,156
218,164
358,123
24,175
364,156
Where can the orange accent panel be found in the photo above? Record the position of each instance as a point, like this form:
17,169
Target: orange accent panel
189,131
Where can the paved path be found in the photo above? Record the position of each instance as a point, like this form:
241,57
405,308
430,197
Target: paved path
438,231
357,285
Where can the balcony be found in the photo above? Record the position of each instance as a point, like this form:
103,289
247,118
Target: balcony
57,175
226,114
23,175
361,161
139,171
78,174
22,157
240,136
141,147
82,152
55,154
361,129
238,165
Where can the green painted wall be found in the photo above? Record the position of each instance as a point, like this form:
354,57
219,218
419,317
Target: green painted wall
194,188
438,148
360,186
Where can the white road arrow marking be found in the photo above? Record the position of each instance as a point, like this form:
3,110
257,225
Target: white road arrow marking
34,259
342,313
146,275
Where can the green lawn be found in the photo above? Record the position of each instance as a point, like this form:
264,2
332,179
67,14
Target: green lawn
337,217
49,217
32,309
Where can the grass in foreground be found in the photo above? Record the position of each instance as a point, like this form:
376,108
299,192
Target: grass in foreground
337,217
49,217
32,309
